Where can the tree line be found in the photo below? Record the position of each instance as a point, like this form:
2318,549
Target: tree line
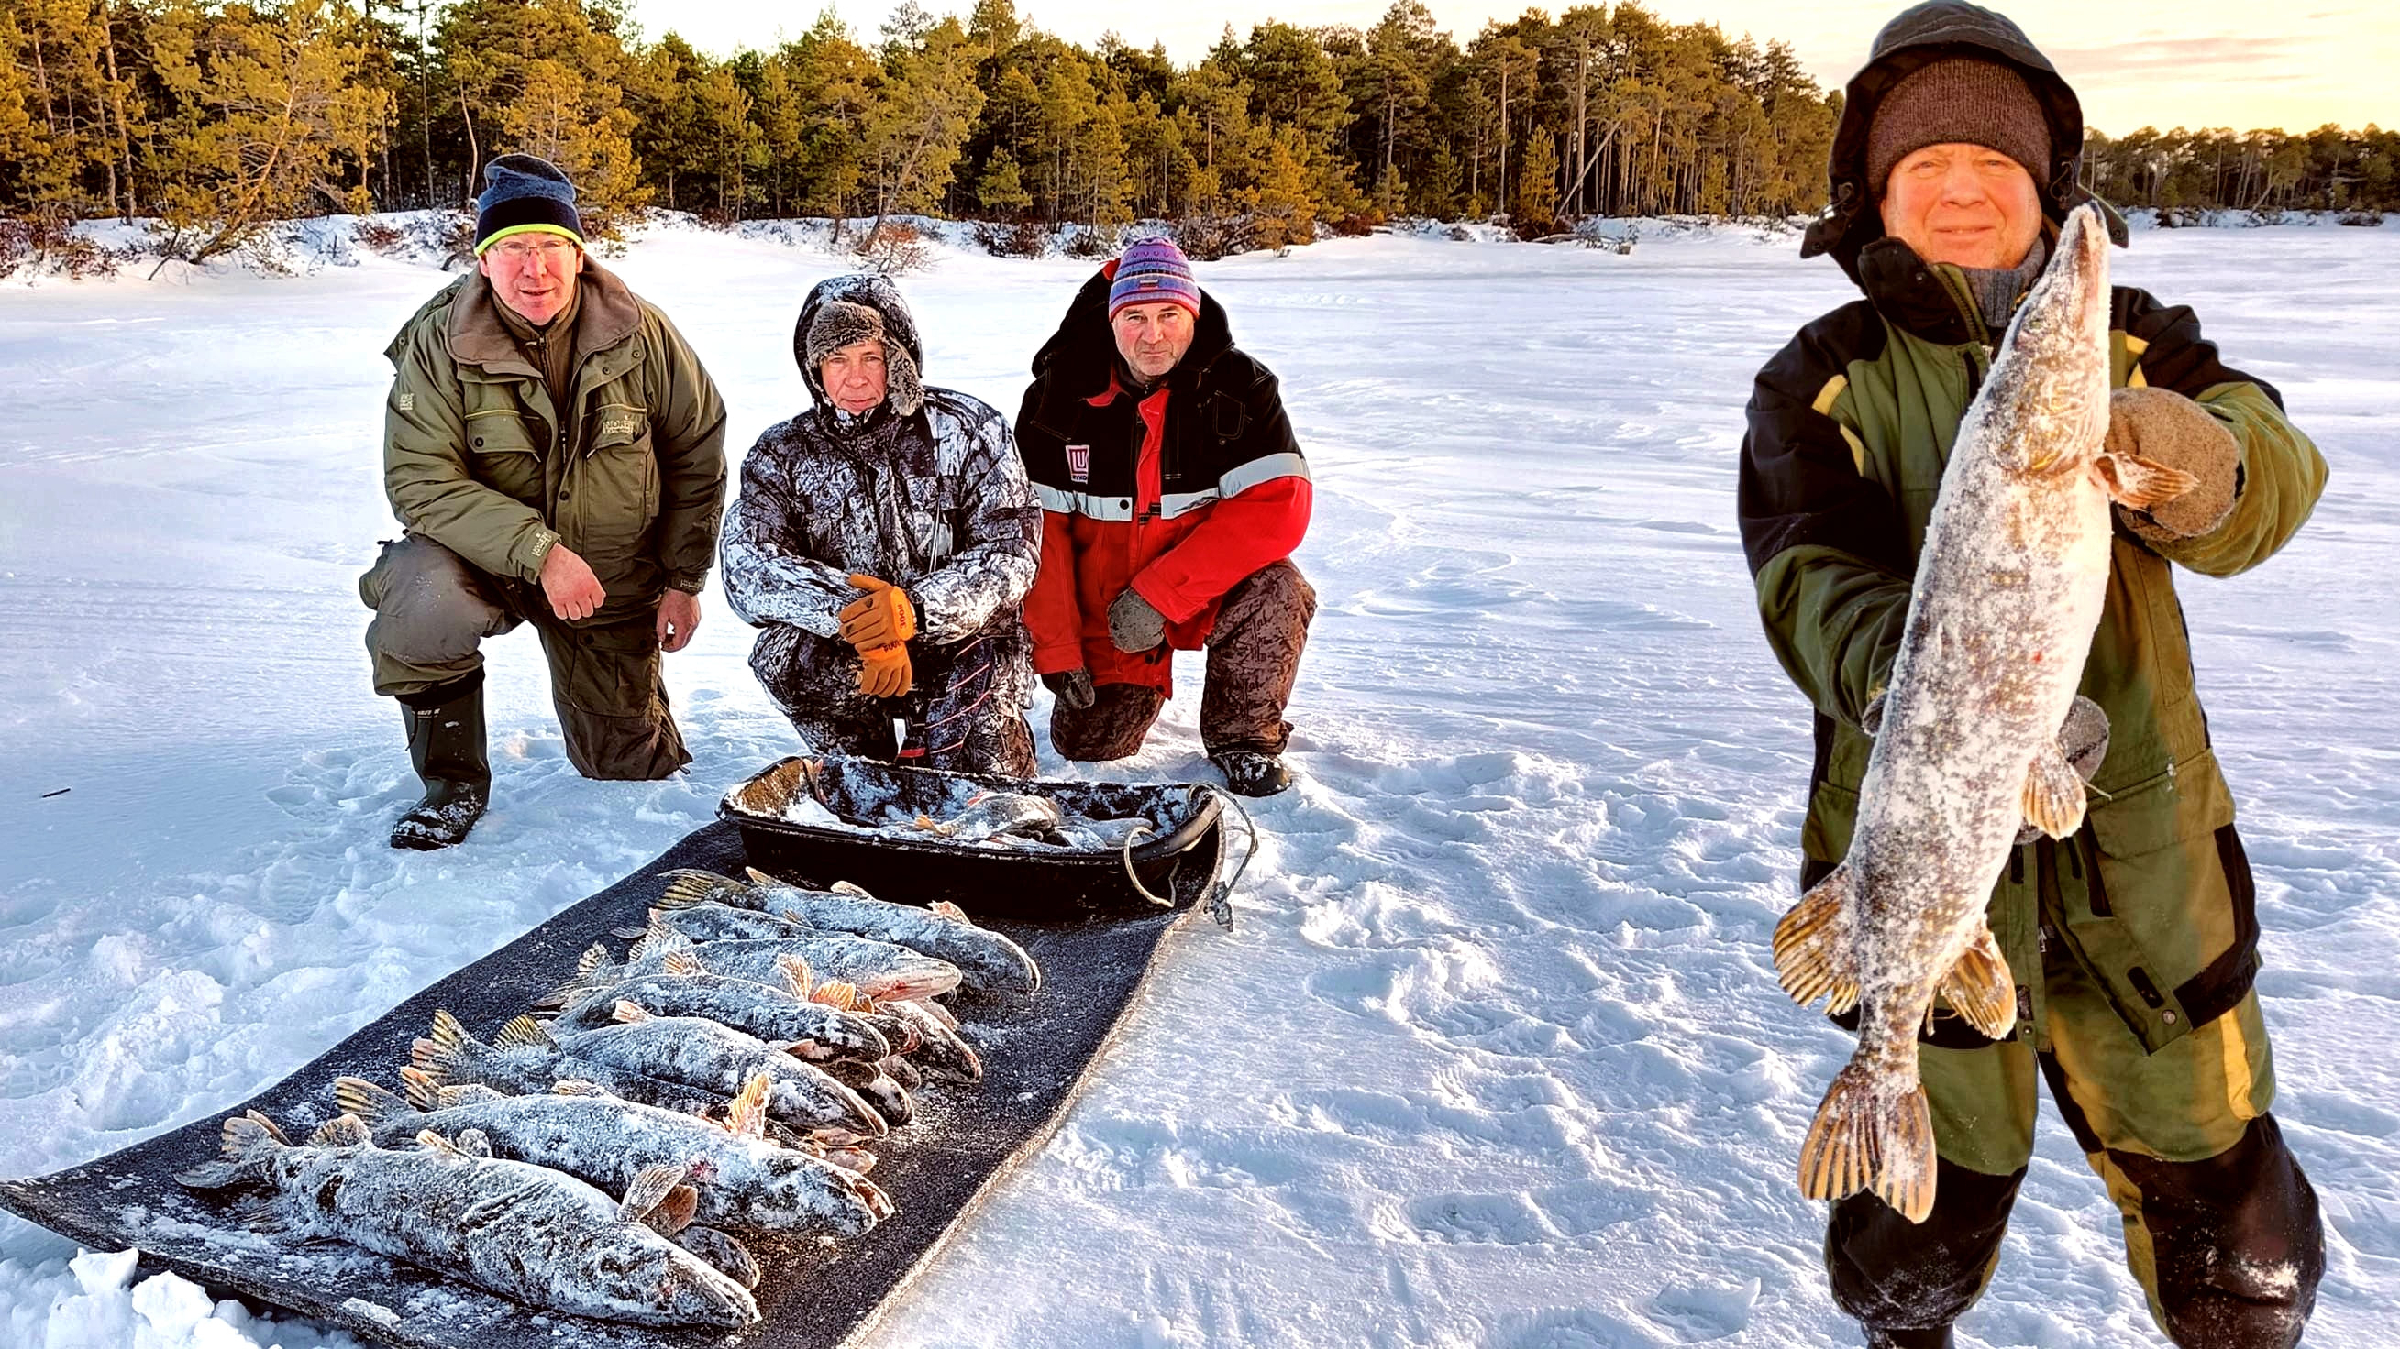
217,116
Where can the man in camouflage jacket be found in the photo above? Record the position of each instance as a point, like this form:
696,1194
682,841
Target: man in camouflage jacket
2135,941
884,541
556,454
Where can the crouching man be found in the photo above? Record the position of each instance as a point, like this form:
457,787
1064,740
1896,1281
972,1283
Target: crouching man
556,454
884,541
1172,497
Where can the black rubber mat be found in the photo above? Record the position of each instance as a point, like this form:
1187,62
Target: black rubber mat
936,1169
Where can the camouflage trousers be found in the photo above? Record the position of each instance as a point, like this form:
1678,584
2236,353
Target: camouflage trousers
1253,662
964,714
433,611
2221,1226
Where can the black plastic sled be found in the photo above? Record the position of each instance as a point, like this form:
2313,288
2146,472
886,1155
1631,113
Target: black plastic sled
1094,957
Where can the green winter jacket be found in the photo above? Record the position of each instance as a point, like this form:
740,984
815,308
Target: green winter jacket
1850,426
478,458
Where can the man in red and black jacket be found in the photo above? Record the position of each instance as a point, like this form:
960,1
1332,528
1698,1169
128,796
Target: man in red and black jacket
1172,497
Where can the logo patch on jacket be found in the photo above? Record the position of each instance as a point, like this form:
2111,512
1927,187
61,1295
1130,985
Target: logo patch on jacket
618,424
1079,463
407,402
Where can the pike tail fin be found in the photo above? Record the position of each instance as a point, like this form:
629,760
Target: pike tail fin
371,1103
691,887
1981,988
248,1142
2142,483
1812,944
1869,1136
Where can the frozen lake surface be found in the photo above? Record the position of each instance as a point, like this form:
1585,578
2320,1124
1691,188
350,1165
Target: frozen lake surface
1495,1056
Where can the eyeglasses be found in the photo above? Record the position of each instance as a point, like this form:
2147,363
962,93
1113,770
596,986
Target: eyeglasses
523,249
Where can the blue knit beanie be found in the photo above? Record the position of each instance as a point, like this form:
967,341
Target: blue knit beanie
523,194
1154,271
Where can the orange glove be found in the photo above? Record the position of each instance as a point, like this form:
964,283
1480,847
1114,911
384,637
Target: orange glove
884,672
881,617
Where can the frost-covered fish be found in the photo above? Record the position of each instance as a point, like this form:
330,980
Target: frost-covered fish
740,1178
881,968
665,1055
778,1015
2009,589
719,922
528,1068
988,963
994,815
940,1050
878,1087
526,1232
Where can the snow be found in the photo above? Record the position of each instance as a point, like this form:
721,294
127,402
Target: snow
1495,1055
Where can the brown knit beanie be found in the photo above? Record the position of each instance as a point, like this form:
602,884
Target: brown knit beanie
1959,99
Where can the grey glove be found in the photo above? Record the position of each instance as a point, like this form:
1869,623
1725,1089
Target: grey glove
2084,737
1073,687
1133,625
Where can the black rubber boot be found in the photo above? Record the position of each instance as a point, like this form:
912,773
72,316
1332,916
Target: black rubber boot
445,743
1250,772
1908,1339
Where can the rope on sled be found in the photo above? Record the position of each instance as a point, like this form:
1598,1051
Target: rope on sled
1218,902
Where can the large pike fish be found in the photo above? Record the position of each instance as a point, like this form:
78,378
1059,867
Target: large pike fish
2009,589
539,1236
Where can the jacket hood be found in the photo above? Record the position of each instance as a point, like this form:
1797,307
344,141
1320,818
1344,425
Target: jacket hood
1917,37
875,291
1081,357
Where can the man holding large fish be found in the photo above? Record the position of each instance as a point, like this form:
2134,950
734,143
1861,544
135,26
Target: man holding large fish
1961,534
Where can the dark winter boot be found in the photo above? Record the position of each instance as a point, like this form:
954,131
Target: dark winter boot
1250,772
1937,1338
445,743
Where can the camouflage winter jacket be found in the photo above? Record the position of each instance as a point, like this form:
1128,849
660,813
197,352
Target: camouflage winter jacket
1850,426
478,458
935,502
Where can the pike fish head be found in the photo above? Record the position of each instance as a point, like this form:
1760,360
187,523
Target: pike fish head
804,1193
668,1282
2044,409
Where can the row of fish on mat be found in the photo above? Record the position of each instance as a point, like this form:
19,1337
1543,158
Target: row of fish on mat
728,1073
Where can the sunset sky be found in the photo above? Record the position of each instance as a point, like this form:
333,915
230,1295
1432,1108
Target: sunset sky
2134,63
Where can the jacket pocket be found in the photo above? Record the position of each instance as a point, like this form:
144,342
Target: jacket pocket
609,500
505,455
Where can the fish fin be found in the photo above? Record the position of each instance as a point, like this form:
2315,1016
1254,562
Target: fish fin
2053,792
431,1059
468,1093
1868,1137
274,1130
371,1103
746,1117
1812,944
649,1190
342,1131
850,888
423,1090
577,1086
474,1143
721,1253
629,933
594,957
1981,989
945,909
836,995
1870,718
2141,483
447,1032
690,887
682,964
626,1012
758,877
856,1161
673,1213
523,1032
246,1141
438,1145
796,974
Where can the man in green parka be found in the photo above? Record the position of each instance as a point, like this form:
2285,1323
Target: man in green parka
556,454
2135,940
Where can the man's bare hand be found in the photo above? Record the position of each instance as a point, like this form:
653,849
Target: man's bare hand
678,619
568,583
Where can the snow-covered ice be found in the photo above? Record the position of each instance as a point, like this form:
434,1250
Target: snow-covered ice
1495,1056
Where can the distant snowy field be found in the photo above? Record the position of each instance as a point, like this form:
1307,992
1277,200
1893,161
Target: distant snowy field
1495,1056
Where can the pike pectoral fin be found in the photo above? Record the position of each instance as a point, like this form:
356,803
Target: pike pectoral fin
2142,483
649,1189
1870,1137
1812,948
1981,988
2053,793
